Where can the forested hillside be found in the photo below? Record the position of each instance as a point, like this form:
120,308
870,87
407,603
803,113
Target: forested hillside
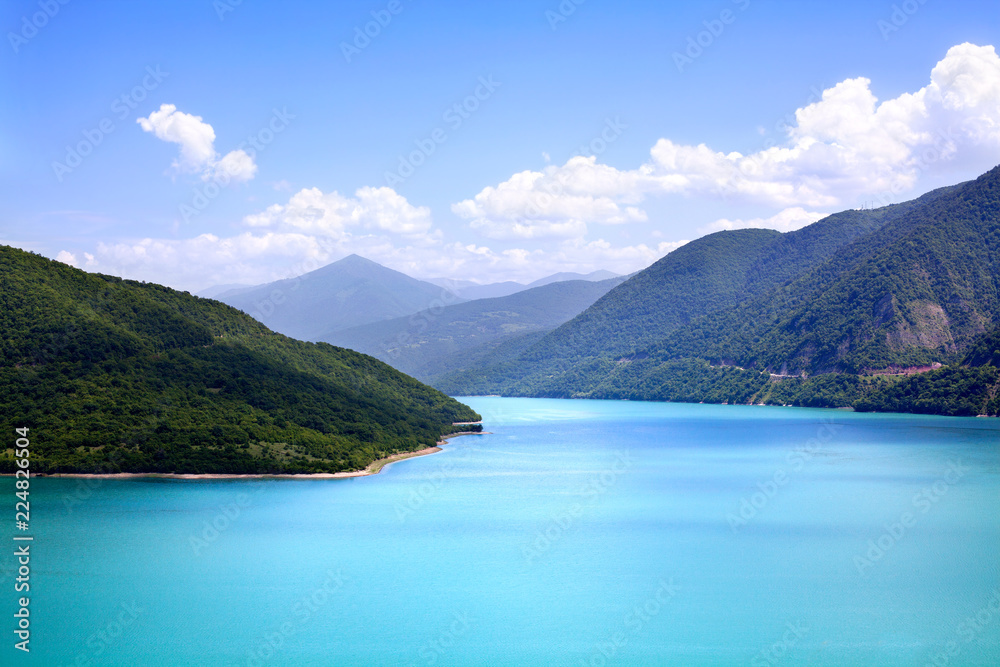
843,305
114,375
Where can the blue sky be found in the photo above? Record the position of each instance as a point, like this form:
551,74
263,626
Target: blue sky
591,135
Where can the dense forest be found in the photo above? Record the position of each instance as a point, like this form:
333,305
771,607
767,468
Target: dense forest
837,314
114,375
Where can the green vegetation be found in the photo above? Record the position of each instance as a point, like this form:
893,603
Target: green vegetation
986,351
832,309
954,390
434,342
113,375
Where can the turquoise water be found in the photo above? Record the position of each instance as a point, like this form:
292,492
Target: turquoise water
578,533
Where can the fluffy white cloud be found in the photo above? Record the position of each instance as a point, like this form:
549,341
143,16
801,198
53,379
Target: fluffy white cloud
314,228
66,258
253,258
310,210
197,145
842,147
557,202
845,146
787,220
238,165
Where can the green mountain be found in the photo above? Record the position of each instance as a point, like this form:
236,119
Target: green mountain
433,342
341,295
845,303
986,351
114,375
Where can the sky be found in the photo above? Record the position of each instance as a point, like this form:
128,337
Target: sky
205,142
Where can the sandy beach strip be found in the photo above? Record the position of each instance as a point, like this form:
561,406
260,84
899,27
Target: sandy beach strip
373,468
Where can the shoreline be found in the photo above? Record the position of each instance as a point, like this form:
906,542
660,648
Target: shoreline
373,468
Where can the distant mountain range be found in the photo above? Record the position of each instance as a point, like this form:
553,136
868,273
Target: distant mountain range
833,314
217,290
341,295
892,309
355,291
120,376
433,342
470,290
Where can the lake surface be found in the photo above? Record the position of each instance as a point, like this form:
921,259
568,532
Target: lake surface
577,533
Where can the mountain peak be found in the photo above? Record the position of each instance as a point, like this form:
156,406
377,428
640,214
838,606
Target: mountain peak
346,293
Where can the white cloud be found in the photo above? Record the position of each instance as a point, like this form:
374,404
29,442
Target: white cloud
66,258
237,164
254,258
842,147
310,210
314,228
556,202
584,256
787,220
197,146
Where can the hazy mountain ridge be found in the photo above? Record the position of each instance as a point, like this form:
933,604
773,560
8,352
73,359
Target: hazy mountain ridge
430,343
346,293
355,291
471,290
